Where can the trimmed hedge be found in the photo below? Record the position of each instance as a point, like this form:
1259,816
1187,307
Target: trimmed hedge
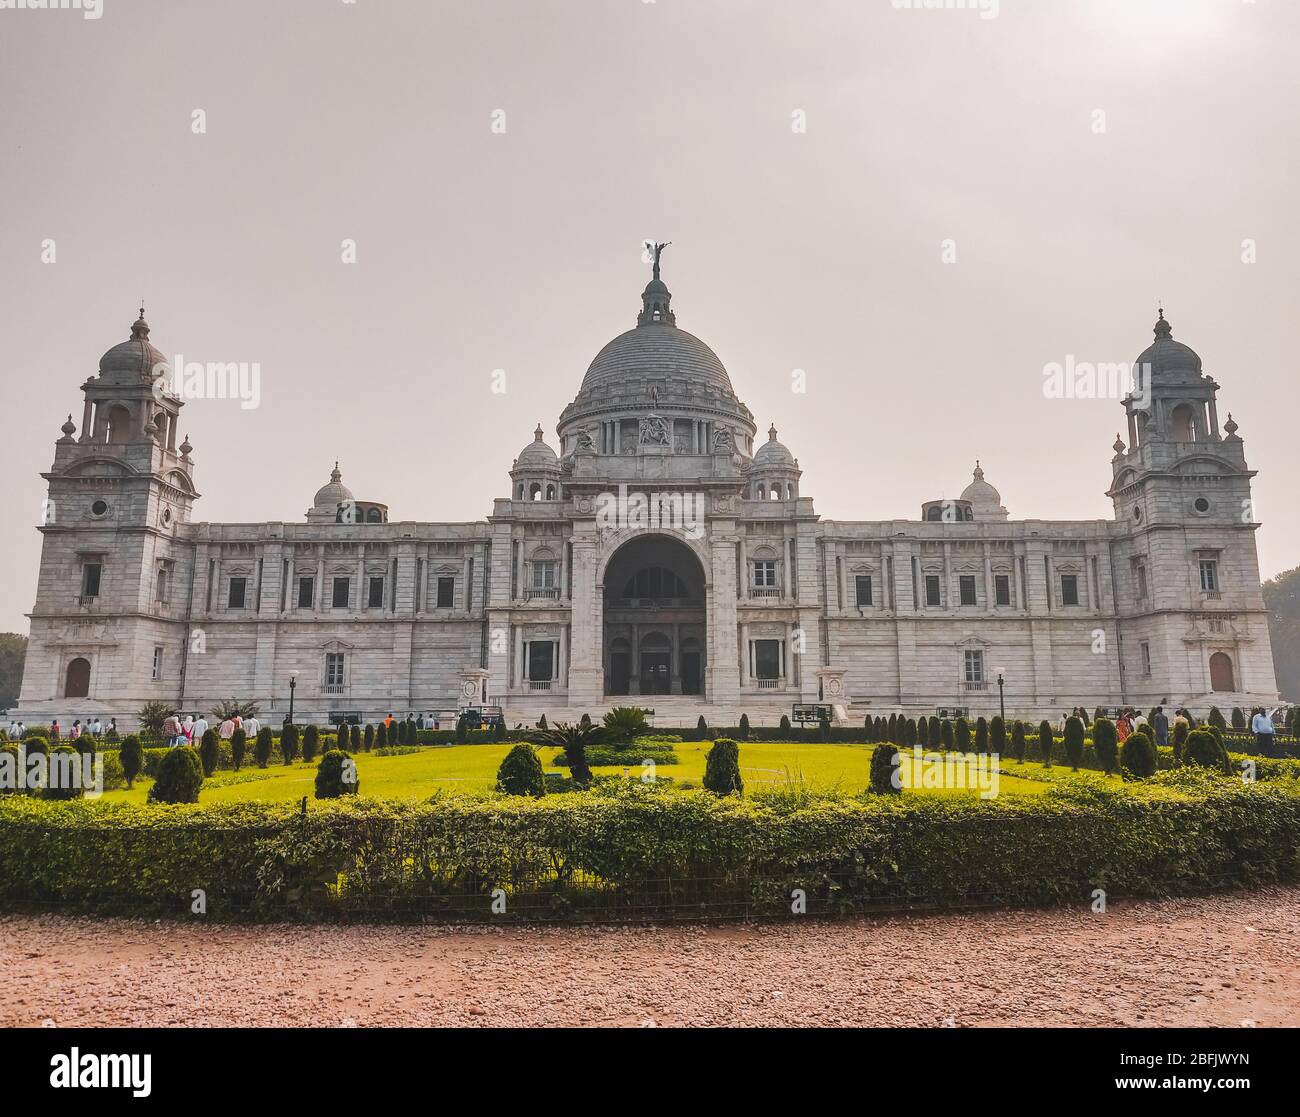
632,850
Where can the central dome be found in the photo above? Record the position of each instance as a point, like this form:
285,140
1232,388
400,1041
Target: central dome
658,351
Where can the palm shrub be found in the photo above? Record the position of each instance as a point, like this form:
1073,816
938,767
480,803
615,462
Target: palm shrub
1137,756
585,720
238,747
998,735
368,741
209,752
722,768
1018,741
981,735
744,727
623,724
64,771
289,743
336,775
574,740
1106,741
1074,742
962,741
310,743
235,708
262,746
885,771
1045,742
1203,749
521,772
152,715
131,757
180,776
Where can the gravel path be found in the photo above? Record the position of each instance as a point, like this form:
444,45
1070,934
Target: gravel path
1224,960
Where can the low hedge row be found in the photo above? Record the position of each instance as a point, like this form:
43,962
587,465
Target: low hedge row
630,850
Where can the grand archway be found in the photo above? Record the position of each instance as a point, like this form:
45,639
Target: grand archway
654,619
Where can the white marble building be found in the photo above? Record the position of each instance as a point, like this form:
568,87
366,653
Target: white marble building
661,552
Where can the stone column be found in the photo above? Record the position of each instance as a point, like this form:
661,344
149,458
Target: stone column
586,672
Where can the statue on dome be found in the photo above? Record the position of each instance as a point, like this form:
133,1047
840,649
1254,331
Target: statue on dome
658,250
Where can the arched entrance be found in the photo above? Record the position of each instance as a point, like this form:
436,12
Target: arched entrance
1222,676
654,619
76,683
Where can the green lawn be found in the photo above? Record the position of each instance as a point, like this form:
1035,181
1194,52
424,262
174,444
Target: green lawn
472,768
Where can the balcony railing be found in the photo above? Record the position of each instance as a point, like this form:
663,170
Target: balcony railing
770,684
334,688
551,594
539,684
970,685
764,591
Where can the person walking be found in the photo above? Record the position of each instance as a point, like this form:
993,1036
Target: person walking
252,727
171,730
187,729
200,728
1160,724
74,734
1123,727
227,729
1262,726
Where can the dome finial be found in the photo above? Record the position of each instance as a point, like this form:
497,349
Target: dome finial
537,434
335,475
771,433
658,250
979,473
140,328
656,299
1162,327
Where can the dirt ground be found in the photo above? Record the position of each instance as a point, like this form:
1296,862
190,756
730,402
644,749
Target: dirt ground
1226,960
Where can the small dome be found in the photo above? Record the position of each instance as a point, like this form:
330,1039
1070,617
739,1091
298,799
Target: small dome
329,497
772,452
985,500
537,455
1167,355
134,358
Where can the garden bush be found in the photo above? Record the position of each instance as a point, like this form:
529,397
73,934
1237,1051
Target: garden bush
744,727
624,723
1018,741
884,770
238,748
1203,748
962,736
63,779
262,747
1138,756
722,768
209,753
355,736
981,736
521,773
180,776
998,735
1074,742
1106,741
336,775
131,757
289,743
1045,739
310,743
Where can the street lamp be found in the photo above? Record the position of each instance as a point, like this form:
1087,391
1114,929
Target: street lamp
1002,701
293,684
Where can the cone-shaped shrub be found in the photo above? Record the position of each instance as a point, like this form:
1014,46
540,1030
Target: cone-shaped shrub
64,774
923,733
1138,755
180,776
785,724
702,726
824,730
209,753
998,735
1074,741
946,734
238,748
744,727
462,732
131,757
1238,718
289,743
1018,741
893,728
381,736
310,743
1202,749
1181,730
262,746
885,770
541,722
368,741
962,736
521,773
1216,718
981,735
336,775
1106,741
1045,742
722,768
354,735
934,732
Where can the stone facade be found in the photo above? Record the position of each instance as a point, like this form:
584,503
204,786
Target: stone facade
658,555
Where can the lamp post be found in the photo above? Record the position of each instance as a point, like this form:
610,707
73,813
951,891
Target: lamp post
1002,702
293,684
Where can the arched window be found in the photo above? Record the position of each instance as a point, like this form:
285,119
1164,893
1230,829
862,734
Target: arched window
118,429
1222,676
550,492
1183,423
789,491
374,516
535,491
654,581
76,684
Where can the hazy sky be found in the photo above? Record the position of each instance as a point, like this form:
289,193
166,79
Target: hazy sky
479,250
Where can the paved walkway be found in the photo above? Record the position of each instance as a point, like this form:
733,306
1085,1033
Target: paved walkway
1224,960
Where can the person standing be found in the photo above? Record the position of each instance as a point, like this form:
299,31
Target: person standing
1160,724
200,728
1262,726
252,727
227,729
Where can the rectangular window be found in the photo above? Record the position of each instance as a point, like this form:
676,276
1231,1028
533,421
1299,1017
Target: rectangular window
767,659
90,576
1069,589
1141,582
333,672
306,592
541,661
543,575
157,663
1209,575
864,590
164,583
966,583
342,591
376,598
235,597
1145,648
932,589
764,573
446,592
974,667
1002,588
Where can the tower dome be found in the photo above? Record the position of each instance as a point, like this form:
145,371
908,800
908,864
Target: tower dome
772,452
329,497
985,501
133,359
1165,355
536,454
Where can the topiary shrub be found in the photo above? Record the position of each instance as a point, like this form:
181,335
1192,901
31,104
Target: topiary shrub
935,733
893,728
1074,741
702,727
521,773
131,757
922,733
1203,749
744,727
381,736
1018,741
722,768
289,743
336,775
1045,737
368,741
64,778
262,746
962,736
785,723
180,776
354,733
824,729
946,735
1105,741
1216,718
238,748
981,735
1238,718
1181,729
541,722
462,732
998,736
1137,757
885,774
310,743
209,752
